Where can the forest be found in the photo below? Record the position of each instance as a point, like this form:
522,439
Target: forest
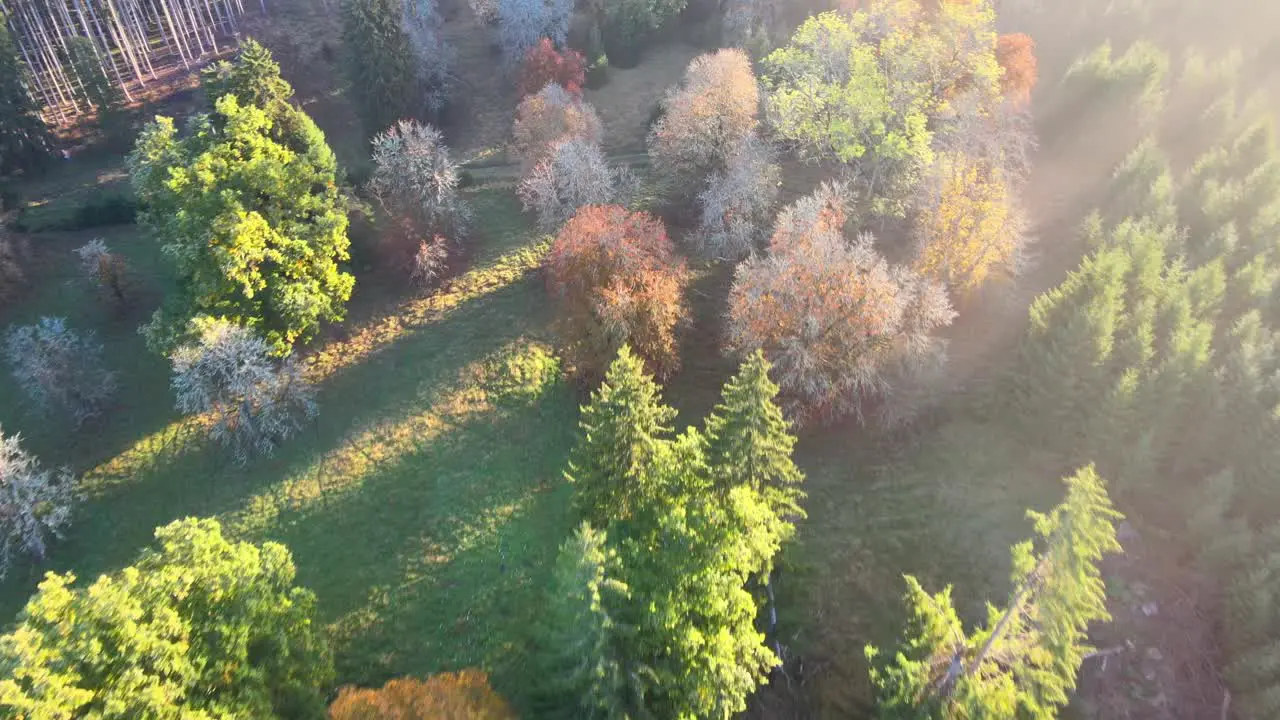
639,359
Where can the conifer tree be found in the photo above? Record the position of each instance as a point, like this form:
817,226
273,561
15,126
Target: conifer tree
749,443
380,62
1023,662
254,78
621,429
98,89
24,138
588,677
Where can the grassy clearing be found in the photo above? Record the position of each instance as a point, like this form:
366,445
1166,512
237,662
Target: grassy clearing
425,505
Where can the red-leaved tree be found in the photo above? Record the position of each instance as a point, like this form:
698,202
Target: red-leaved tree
544,65
1016,53
618,281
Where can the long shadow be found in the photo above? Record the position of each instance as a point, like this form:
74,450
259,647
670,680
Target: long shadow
439,560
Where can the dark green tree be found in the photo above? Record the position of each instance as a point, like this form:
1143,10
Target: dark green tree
105,96
380,62
749,442
620,431
199,628
24,138
254,226
1022,663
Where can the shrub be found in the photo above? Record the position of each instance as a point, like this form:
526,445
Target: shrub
60,369
841,326
544,65
706,119
35,504
737,203
464,694
551,115
429,262
255,402
618,282
104,269
200,627
575,174
523,23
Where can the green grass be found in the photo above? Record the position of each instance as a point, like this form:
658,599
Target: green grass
425,505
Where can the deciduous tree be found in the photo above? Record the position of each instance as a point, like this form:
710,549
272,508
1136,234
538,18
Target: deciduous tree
463,694
842,327
60,369
738,202
35,505
547,117
199,627
105,270
255,402
434,57
573,175
544,65
414,175
705,120
1016,53
253,225
523,23
617,281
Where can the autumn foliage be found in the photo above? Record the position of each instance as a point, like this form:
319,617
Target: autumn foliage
548,116
967,226
618,282
707,118
1016,53
544,65
447,696
841,326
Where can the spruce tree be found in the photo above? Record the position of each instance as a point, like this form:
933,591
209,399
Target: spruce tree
380,62
254,78
750,444
587,674
620,430
1023,662
24,138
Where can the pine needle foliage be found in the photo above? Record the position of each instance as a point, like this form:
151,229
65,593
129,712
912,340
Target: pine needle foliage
380,62
1022,663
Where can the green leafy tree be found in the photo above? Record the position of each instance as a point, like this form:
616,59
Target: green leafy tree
380,62
749,442
255,226
24,138
620,431
1022,663
199,628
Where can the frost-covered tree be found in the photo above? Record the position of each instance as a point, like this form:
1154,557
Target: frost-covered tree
575,174
737,203
35,503
433,56
706,119
413,174
842,327
522,23
60,369
103,269
547,117
256,402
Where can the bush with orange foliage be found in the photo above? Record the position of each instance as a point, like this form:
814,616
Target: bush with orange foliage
841,326
548,116
1016,53
706,119
446,696
545,65
618,282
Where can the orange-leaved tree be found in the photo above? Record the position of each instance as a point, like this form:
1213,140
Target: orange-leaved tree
618,281
461,695
1016,53
841,326
548,116
544,65
967,224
